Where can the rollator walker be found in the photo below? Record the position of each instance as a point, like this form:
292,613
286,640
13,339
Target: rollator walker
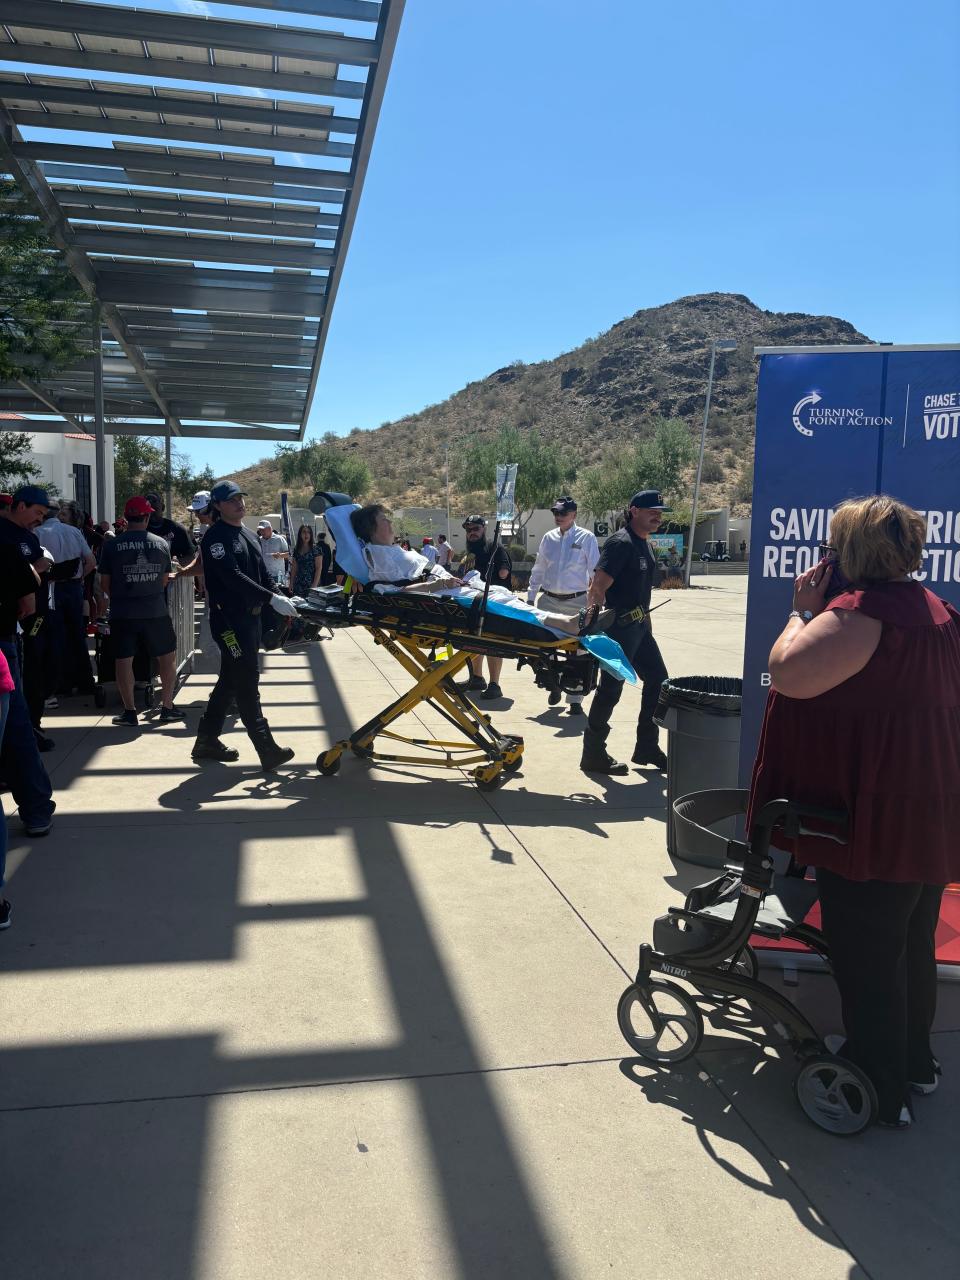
705,944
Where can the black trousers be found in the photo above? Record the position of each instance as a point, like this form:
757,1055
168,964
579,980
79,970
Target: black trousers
239,677
881,940
638,644
75,671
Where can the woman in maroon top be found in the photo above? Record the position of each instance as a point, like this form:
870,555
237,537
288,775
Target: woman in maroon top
865,716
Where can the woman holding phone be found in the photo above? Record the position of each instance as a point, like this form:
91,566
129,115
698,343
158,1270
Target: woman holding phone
864,715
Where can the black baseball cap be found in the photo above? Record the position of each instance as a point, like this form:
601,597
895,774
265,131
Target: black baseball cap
224,490
480,520
564,505
32,496
649,500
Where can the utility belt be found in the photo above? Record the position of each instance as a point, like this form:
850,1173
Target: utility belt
631,615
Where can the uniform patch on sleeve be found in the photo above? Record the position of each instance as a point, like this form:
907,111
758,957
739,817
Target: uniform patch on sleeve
238,544
218,550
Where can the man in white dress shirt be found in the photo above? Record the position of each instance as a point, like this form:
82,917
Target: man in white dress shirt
561,576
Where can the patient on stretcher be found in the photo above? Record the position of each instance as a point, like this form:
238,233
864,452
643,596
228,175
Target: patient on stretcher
391,565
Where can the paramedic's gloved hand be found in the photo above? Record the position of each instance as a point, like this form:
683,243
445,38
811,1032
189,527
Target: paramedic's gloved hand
283,606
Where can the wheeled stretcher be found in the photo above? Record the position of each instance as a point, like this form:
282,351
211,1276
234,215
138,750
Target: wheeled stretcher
433,637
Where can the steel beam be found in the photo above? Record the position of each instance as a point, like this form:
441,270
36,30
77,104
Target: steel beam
274,112
50,401
183,133
256,431
119,287
354,10
250,216
197,32
202,248
147,324
100,451
82,214
31,181
388,29
213,186
206,166
170,69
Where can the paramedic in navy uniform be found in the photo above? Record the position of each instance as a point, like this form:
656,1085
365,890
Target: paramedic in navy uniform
624,578
564,568
238,588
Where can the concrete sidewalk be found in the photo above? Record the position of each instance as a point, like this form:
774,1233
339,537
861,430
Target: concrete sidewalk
365,1026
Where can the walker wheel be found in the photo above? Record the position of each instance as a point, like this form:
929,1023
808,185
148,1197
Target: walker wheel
99,696
746,964
327,766
836,1095
660,1022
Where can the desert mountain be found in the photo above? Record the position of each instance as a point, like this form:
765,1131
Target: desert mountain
602,394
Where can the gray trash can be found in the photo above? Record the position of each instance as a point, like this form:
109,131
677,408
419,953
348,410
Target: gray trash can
702,717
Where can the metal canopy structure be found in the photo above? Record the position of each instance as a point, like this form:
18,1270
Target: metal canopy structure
207,225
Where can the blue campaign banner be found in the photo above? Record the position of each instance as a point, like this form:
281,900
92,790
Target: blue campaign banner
834,425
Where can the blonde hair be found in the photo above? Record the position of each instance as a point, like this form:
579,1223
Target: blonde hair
877,539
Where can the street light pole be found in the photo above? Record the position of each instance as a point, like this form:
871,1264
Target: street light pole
446,471
715,346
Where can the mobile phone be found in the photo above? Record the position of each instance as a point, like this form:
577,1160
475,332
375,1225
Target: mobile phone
838,583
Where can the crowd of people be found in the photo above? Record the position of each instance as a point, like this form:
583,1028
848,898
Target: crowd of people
864,675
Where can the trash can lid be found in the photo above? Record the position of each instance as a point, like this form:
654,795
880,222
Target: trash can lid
714,695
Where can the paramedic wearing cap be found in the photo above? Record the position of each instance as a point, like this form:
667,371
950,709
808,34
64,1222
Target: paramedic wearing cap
562,574
134,571
623,579
238,588
275,552
181,548
19,757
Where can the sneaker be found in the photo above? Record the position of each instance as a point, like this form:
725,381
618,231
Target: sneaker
128,719
38,829
925,1087
652,756
491,692
475,684
555,696
575,709
5,913
602,763
169,714
51,702
43,742
903,1121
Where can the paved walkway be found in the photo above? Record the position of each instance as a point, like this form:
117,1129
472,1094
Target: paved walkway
365,1026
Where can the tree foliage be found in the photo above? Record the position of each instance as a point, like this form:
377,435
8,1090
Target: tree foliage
17,467
544,470
140,467
325,465
662,461
44,315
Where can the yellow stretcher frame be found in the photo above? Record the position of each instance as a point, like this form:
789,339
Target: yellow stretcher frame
414,645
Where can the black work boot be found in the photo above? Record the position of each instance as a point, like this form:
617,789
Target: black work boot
271,753
209,747
650,755
602,762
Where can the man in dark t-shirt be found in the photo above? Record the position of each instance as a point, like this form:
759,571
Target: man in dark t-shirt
176,536
494,565
134,571
623,580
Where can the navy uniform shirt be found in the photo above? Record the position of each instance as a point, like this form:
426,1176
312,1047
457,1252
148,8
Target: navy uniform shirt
631,564
478,556
16,580
25,541
233,570
175,535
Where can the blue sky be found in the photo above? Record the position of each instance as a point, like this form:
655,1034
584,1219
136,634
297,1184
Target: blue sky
543,168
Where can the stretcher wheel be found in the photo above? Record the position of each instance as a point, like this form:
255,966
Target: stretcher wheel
836,1095
328,767
99,696
660,1022
511,766
488,777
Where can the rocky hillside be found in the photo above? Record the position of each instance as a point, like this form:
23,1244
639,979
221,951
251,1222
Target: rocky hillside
603,393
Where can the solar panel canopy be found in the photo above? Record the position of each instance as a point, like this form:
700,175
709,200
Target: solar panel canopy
200,175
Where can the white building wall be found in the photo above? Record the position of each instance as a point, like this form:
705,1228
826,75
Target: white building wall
55,456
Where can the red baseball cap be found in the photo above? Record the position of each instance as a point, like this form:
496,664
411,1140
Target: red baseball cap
137,508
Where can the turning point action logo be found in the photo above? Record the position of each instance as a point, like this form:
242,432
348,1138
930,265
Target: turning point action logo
817,417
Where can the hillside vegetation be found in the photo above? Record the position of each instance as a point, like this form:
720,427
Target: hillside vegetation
606,393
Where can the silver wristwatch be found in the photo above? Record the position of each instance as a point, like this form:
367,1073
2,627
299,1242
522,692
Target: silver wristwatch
804,615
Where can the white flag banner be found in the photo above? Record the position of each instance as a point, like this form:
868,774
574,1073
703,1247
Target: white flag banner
506,491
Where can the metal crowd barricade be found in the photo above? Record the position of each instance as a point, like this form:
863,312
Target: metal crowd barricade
180,602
